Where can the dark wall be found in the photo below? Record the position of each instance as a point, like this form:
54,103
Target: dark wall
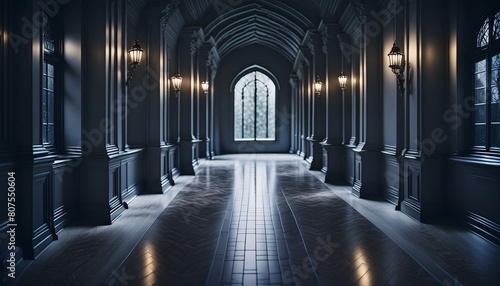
473,195
72,47
229,68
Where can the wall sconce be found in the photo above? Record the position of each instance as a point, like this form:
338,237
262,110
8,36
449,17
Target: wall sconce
342,80
397,64
177,81
205,85
317,85
135,59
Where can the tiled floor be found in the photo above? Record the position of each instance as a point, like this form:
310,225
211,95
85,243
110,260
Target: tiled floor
263,220
252,254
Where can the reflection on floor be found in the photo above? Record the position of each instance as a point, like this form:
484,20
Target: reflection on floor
251,255
263,220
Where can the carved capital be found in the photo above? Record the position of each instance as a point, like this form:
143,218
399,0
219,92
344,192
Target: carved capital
194,42
324,37
310,45
168,12
209,58
359,9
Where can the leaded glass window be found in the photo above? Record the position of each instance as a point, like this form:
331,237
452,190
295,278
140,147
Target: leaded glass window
496,26
486,85
255,107
495,102
48,106
48,35
49,82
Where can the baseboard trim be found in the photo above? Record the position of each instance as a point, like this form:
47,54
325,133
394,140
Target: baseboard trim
483,227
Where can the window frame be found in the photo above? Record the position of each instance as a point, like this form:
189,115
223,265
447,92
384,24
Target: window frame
52,58
236,95
485,52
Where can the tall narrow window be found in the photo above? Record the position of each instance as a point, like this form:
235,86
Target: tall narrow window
48,98
255,108
49,83
486,85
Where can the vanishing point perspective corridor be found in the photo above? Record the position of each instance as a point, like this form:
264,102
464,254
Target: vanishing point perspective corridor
260,220
249,142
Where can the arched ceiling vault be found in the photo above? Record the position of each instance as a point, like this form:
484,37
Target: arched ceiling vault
255,24
270,23
233,24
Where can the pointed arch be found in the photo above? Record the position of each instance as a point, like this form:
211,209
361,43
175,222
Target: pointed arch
486,85
254,91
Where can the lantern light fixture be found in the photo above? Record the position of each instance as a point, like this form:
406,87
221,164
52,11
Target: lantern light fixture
205,85
135,54
396,59
397,64
342,80
317,85
177,81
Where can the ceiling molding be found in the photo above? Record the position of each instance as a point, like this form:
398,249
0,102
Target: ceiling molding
272,25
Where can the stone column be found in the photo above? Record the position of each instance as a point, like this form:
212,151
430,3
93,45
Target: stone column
301,68
332,145
154,75
294,146
188,47
212,64
101,198
367,161
203,75
317,101
304,74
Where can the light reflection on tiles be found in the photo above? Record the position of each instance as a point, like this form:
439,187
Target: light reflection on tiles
251,256
282,218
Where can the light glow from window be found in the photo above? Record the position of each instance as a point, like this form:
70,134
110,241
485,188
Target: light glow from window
255,108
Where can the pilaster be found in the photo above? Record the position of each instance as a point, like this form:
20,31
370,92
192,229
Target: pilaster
105,98
367,159
316,100
189,42
333,151
425,140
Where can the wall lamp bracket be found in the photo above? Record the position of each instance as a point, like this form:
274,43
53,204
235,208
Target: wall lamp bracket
135,54
318,85
397,65
177,83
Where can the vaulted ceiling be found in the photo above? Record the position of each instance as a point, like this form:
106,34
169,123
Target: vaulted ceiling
274,25
234,24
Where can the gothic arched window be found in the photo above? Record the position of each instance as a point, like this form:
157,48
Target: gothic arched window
486,83
255,107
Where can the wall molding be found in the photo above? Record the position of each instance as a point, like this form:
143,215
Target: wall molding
482,226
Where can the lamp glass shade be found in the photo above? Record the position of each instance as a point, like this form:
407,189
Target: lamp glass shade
135,53
204,86
342,80
177,81
317,85
395,58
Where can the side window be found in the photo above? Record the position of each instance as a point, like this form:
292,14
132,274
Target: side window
486,70
50,78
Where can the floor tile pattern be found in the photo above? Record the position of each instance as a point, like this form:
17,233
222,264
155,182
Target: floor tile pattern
343,246
84,253
263,220
252,252
298,256
178,248
450,252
